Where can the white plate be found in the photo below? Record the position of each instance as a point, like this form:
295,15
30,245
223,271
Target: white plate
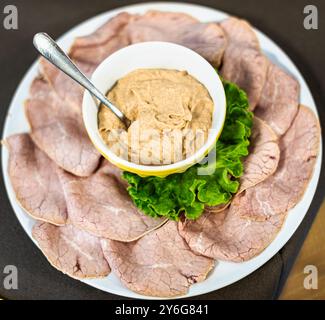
225,273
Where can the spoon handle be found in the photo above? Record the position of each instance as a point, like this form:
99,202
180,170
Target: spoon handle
50,50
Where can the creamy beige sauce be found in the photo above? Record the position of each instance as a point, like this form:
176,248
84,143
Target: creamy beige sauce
170,114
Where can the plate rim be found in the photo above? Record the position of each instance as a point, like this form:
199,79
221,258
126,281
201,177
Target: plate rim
163,6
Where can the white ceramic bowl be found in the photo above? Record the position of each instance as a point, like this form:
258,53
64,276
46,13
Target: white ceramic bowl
155,55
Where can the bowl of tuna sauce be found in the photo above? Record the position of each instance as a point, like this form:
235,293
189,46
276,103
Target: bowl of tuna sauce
174,101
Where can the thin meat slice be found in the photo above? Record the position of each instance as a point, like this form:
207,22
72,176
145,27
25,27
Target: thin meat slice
279,193
279,101
228,236
207,39
71,251
58,130
274,91
160,264
240,32
101,206
124,29
34,178
256,215
68,90
87,53
263,158
243,62
92,49
247,68
262,161
218,208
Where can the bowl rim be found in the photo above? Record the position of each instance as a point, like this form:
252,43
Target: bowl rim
178,166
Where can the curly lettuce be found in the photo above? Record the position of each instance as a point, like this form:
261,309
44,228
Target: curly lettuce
189,192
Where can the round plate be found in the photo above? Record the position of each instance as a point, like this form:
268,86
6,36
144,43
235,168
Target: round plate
225,273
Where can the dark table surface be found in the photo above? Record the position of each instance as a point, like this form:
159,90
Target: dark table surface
281,20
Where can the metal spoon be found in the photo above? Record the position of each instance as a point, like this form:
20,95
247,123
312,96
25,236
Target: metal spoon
50,50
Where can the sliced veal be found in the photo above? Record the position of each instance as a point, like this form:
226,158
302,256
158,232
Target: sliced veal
87,52
280,192
159,264
228,236
101,206
57,129
240,32
279,101
71,251
243,62
263,158
256,215
124,29
262,161
92,49
69,91
35,181
207,39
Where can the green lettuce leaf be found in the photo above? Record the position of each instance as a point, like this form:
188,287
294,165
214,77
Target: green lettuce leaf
189,192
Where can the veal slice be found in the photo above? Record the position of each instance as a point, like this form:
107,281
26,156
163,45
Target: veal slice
101,205
124,29
71,250
262,161
34,179
263,158
228,236
159,264
240,32
87,52
280,192
278,104
68,90
256,215
92,49
57,129
243,62
207,39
